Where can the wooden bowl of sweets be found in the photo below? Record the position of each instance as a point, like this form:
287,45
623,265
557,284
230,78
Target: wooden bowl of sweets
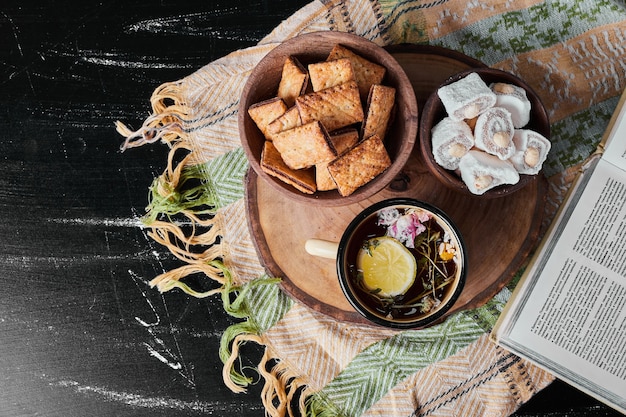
328,118
484,132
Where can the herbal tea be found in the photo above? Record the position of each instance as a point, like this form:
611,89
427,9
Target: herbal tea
401,262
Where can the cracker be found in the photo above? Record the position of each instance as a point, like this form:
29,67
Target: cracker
342,140
304,146
366,73
273,164
359,165
293,81
289,120
328,74
264,112
335,107
379,109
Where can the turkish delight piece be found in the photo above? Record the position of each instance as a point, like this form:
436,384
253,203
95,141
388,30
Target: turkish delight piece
494,132
531,151
466,98
514,99
451,140
481,171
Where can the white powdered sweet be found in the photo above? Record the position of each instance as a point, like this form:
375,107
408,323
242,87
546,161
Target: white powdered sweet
531,151
451,140
514,99
481,172
493,132
467,97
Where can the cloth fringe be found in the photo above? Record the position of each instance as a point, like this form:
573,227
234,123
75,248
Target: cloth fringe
196,241
165,122
281,388
181,189
280,384
200,245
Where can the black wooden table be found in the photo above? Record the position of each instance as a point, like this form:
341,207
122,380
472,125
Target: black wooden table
80,332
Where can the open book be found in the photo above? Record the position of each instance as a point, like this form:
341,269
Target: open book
568,313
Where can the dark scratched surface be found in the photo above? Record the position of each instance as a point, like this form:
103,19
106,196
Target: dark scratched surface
80,331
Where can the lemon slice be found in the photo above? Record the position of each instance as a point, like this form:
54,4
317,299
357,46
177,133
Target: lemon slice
387,266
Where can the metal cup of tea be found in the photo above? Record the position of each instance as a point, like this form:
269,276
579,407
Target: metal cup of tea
401,263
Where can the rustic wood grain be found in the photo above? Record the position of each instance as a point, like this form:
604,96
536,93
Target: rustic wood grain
499,235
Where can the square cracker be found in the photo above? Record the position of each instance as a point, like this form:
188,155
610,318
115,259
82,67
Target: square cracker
273,164
304,146
380,104
265,112
289,120
328,74
366,72
293,81
342,140
335,107
359,165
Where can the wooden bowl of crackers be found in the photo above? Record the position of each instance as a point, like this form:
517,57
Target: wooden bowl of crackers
484,132
328,118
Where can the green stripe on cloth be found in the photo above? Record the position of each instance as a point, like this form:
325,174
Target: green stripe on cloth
381,366
576,137
269,303
487,315
500,37
225,175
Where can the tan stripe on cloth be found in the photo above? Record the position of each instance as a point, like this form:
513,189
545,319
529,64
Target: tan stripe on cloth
576,74
240,256
439,18
319,346
478,381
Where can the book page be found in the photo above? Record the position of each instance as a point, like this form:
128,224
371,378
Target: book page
575,315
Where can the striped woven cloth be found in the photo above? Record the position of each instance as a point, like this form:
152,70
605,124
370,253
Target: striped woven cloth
573,53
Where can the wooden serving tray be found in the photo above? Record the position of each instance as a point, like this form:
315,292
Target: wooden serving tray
499,233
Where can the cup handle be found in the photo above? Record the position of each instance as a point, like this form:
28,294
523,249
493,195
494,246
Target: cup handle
321,248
